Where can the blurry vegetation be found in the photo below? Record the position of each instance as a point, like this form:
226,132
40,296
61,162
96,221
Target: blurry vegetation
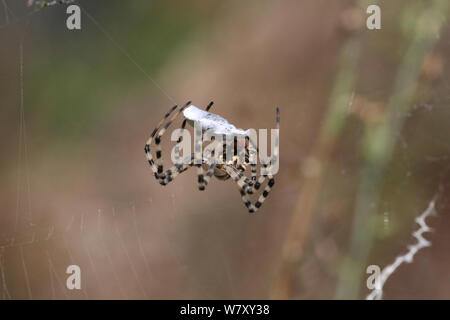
76,78
418,27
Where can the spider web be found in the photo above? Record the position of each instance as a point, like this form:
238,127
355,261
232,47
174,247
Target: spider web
44,241
109,244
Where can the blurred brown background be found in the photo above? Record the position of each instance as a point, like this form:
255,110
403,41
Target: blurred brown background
363,147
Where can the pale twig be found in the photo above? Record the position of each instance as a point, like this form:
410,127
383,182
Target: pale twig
377,293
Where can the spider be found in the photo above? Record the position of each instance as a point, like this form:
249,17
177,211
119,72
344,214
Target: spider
222,171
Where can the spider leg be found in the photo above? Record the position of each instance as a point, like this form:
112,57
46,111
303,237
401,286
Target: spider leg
150,140
207,177
244,187
247,160
251,208
254,207
253,183
198,148
271,181
241,180
158,167
253,166
159,161
170,174
177,151
257,184
209,173
265,193
209,105
203,180
183,125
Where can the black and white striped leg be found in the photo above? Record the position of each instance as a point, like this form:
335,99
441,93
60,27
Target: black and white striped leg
254,207
250,143
159,161
265,193
252,165
251,208
253,168
199,161
150,140
245,188
271,181
243,185
156,137
174,172
183,125
209,173
201,178
241,180
207,177
257,182
177,150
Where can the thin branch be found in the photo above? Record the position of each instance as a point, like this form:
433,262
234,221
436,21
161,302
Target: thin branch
408,257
